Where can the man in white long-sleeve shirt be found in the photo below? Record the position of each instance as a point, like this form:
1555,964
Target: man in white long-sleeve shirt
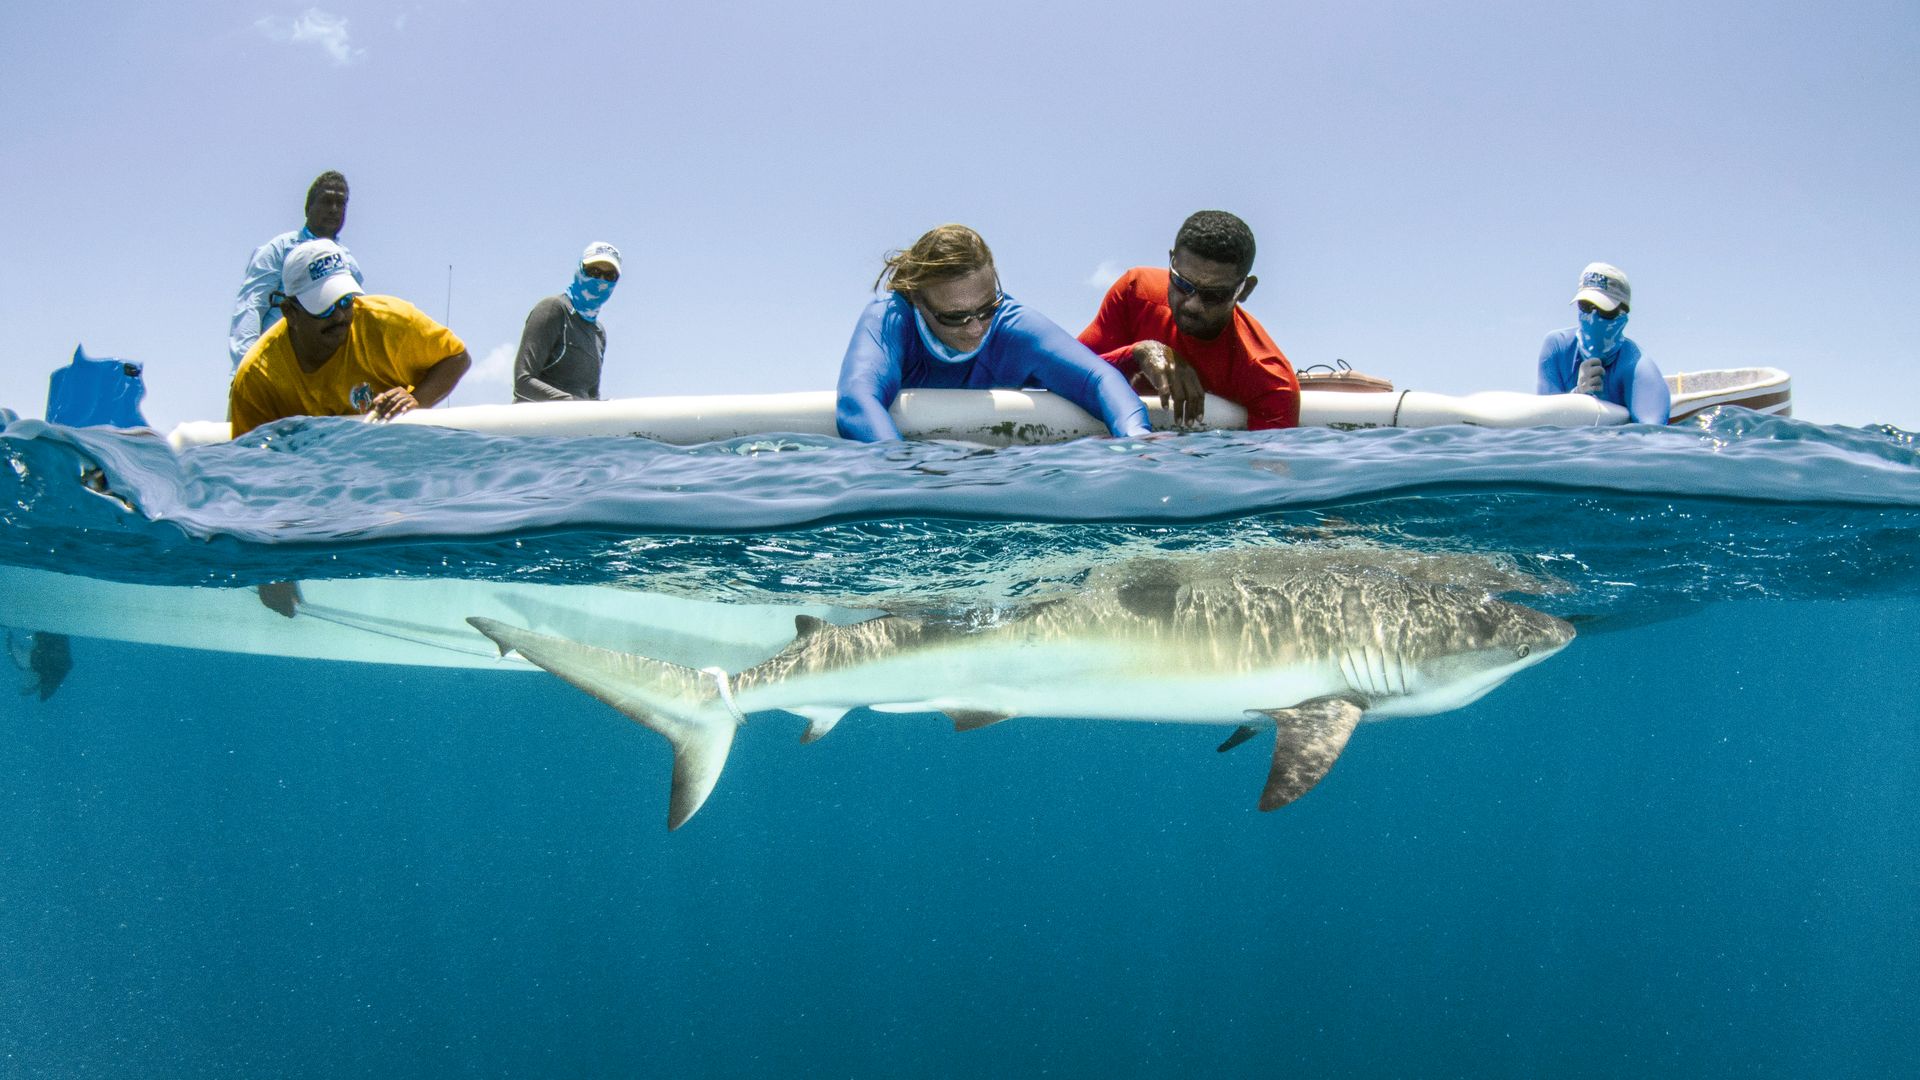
252,310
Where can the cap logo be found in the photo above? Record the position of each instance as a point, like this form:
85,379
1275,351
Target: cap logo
1596,281
325,266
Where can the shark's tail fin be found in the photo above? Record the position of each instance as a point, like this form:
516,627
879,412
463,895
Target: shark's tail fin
692,710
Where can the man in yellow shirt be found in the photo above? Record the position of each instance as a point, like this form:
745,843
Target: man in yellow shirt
340,351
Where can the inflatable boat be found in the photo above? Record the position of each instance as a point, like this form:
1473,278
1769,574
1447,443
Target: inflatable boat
1341,399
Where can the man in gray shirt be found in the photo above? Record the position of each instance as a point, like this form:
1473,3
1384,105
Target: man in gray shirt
564,343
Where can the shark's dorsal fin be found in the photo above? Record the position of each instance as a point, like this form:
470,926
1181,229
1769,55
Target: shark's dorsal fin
1307,740
820,718
692,710
974,719
805,626
1240,734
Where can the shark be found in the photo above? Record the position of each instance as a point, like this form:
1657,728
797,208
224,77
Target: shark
1307,653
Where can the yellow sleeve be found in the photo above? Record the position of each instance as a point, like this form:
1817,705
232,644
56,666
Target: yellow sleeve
415,342
243,412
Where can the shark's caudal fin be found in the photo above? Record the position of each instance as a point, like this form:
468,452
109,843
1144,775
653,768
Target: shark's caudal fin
692,710
1307,741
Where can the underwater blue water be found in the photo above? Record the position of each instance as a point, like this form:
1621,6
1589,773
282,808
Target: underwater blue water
1685,846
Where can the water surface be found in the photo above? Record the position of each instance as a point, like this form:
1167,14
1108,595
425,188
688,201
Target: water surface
1682,847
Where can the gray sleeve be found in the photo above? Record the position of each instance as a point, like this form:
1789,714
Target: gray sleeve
539,347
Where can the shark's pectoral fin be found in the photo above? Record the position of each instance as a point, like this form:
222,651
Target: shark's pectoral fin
820,719
1307,741
974,719
1240,734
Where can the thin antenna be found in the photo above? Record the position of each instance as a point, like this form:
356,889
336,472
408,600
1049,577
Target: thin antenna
448,321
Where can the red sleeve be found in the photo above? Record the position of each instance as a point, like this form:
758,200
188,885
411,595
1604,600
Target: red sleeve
1112,332
1272,393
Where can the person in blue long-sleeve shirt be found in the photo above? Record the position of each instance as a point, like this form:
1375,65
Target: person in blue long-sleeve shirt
942,321
1596,356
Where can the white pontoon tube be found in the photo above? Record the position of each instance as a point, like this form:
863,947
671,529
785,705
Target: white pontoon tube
1008,417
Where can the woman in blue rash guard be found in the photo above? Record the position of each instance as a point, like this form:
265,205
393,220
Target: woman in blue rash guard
942,321
1596,356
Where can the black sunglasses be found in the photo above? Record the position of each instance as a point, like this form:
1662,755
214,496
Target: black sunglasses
957,319
1211,296
1592,308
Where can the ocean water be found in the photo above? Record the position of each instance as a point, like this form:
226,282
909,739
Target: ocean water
1684,846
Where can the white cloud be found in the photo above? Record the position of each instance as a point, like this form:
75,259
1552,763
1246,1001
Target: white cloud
1105,274
314,27
493,369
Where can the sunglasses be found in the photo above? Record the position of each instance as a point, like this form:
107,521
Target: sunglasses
958,319
1211,296
1592,308
279,299
600,271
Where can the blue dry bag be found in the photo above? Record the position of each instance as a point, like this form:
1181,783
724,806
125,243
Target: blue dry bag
96,393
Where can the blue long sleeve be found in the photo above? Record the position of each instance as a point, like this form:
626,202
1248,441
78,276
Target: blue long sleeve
251,312
1558,363
1647,398
869,381
1066,367
1022,349
1631,381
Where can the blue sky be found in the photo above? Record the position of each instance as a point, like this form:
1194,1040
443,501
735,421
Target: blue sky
1425,180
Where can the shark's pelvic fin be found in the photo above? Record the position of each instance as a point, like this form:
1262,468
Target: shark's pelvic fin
1307,741
1240,734
691,709
820,719
974,719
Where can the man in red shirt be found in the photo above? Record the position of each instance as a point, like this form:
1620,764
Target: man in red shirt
1182,330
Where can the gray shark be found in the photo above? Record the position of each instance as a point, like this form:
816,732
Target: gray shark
1308,654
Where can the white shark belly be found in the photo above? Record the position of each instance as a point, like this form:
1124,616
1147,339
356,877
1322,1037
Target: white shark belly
1097,681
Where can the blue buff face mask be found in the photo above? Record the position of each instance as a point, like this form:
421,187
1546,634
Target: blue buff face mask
943,352
1600,338
586,294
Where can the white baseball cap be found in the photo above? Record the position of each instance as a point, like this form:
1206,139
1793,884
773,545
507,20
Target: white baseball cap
317,274
601,252
1605,286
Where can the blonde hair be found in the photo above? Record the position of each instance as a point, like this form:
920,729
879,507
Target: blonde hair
942,254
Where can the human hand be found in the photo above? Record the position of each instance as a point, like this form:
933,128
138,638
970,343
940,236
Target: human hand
1591,377
391,403
1174,379
282,597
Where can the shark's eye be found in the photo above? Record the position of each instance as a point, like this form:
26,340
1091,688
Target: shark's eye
1525,651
